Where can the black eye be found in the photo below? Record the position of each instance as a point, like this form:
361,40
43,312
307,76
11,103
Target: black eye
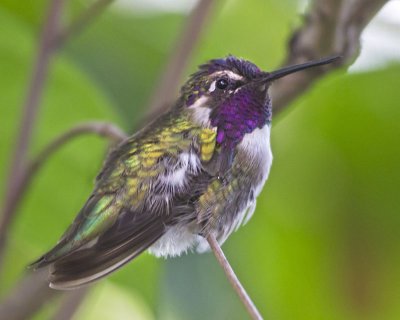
222,83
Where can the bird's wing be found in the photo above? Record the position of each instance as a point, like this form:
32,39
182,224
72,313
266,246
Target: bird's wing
148,183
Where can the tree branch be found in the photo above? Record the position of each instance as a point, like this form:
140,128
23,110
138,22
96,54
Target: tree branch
103,129
30,108
81,22
70,303
171,77
27,297
233,279
53,37
34,286
331,27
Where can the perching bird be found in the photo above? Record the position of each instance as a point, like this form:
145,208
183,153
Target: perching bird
195,170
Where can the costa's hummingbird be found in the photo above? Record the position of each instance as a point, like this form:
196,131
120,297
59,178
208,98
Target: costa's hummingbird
195,170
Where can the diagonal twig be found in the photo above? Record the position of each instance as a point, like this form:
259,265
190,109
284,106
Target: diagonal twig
330,27
70,303
34,289
27,297
53,37
30,108
102,129
81,22
168,84
233,279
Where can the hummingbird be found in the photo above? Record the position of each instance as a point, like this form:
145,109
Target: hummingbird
195,170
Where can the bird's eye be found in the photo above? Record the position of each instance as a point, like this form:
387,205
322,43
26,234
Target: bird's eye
222,83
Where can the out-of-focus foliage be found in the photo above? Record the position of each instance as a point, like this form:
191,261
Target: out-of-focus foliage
324,241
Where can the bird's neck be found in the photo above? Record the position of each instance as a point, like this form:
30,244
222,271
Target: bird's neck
239,116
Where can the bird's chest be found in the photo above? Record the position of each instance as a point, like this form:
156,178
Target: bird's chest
237,196
254,159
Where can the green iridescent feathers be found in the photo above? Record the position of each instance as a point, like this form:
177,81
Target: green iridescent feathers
120,208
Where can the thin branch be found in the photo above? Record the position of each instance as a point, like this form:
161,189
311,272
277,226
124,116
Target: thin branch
34,289
103,129
70,303
331,27
27,297
81,22
171,77
30,108
233,279
53,37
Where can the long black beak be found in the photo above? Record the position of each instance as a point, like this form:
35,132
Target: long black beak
271,76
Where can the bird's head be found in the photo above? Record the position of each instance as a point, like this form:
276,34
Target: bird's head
232,94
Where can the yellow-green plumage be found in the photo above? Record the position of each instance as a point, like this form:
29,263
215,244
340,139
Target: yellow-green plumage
130,181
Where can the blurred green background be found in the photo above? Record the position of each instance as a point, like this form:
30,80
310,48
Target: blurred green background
324,242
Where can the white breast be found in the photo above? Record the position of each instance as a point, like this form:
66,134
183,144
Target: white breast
257,147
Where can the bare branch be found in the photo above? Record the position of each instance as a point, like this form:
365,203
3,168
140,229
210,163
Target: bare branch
169,81
81,22
30,109
331,27
100,128
70,303
103,129
29,295
233,279
53,37
34,286
33,289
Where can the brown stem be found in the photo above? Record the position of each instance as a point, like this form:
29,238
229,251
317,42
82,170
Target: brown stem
103,129
170,79
27,297
100,128
30,108
70,303
34,286
331,27
233,279
81,22
20,174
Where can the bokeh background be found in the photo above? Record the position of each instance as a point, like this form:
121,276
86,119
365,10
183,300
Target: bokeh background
324,242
